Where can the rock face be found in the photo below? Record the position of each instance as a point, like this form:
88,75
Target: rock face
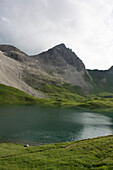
63,61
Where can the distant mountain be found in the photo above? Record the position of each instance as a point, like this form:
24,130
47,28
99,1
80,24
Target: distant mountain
102,80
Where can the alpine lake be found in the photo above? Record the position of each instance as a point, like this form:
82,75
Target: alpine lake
36,125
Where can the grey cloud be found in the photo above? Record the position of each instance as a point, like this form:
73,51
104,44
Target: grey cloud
36,25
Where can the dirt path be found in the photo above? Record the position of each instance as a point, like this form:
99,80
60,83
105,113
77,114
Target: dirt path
70,145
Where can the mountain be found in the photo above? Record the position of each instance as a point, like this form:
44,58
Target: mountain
102,80
56,66
55,72
65,64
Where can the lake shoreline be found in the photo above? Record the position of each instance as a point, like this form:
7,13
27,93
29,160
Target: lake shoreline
80,140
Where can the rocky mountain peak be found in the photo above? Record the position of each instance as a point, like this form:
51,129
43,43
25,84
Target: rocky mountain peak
64,62
60,55
57,49
60,47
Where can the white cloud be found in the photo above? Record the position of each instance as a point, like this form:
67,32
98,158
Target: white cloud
4,19
84,25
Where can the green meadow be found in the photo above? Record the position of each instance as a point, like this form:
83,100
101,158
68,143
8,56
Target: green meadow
96,153
63,96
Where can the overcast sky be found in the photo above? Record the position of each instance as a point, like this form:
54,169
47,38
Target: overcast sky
85,26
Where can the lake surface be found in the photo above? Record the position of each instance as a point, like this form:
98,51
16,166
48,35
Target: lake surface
35,125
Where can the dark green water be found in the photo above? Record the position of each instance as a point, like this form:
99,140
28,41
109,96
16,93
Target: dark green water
35,125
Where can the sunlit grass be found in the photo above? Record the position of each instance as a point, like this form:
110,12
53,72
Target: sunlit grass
94,153
58,96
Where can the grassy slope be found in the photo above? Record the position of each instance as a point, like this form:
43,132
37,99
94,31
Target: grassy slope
94,153
102,81
10,95
64,94
58,96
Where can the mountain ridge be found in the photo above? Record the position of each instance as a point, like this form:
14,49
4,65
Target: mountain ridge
55,67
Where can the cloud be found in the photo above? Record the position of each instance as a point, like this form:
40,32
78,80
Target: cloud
4,19
83,25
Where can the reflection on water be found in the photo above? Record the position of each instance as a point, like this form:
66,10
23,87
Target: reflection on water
34,125
96,125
